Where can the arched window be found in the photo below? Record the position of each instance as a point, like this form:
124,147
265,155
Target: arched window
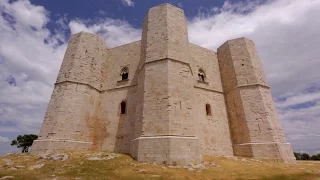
124,73
201,75
208,109
123,107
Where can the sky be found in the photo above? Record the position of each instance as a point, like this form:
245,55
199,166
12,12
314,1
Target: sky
34,36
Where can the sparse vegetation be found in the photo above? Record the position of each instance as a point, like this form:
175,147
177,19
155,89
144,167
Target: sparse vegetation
316,157
24,142
102,165
305,156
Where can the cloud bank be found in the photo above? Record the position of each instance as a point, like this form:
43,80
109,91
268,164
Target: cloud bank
286,33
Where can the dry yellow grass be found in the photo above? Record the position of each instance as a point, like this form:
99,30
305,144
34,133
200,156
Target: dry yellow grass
77,166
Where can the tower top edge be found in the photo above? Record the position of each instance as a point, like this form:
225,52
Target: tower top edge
88,35
168,5
235,39
82,32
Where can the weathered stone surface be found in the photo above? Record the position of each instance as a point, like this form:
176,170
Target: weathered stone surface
170,150
54,157
182,101
254,124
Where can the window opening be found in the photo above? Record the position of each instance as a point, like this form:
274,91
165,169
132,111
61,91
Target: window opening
208,109
201,75
125,73
123,107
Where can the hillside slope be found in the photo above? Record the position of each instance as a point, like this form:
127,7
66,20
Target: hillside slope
102,165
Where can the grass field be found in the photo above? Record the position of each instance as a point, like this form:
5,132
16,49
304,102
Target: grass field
97,165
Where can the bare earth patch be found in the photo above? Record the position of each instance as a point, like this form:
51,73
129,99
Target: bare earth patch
82,165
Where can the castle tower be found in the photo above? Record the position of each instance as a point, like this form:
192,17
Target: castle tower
254,124
163,99
165,132
70,118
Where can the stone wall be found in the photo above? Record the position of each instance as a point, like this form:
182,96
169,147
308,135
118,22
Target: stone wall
72,111
127,55
213,131
255,127
167,91
83,60
120,127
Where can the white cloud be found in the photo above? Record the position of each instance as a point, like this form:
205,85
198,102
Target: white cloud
25,13
4,139
32,63
31,55
298,99
115,32
127,3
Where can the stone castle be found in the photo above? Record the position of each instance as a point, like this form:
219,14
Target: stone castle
163,99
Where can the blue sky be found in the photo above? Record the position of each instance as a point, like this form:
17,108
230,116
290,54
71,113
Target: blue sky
118,9
34,36
132,12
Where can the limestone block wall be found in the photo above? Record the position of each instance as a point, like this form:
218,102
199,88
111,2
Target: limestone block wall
127,55
80,97
180,106
71,114
166,34
139,108
155,100
65,129
165,40
212,131
167,149
254,124
83,60
119,127
206,60
167,90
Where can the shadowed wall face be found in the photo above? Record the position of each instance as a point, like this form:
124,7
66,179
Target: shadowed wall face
119,127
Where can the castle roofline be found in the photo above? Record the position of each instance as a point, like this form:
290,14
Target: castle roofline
168,5
228,41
